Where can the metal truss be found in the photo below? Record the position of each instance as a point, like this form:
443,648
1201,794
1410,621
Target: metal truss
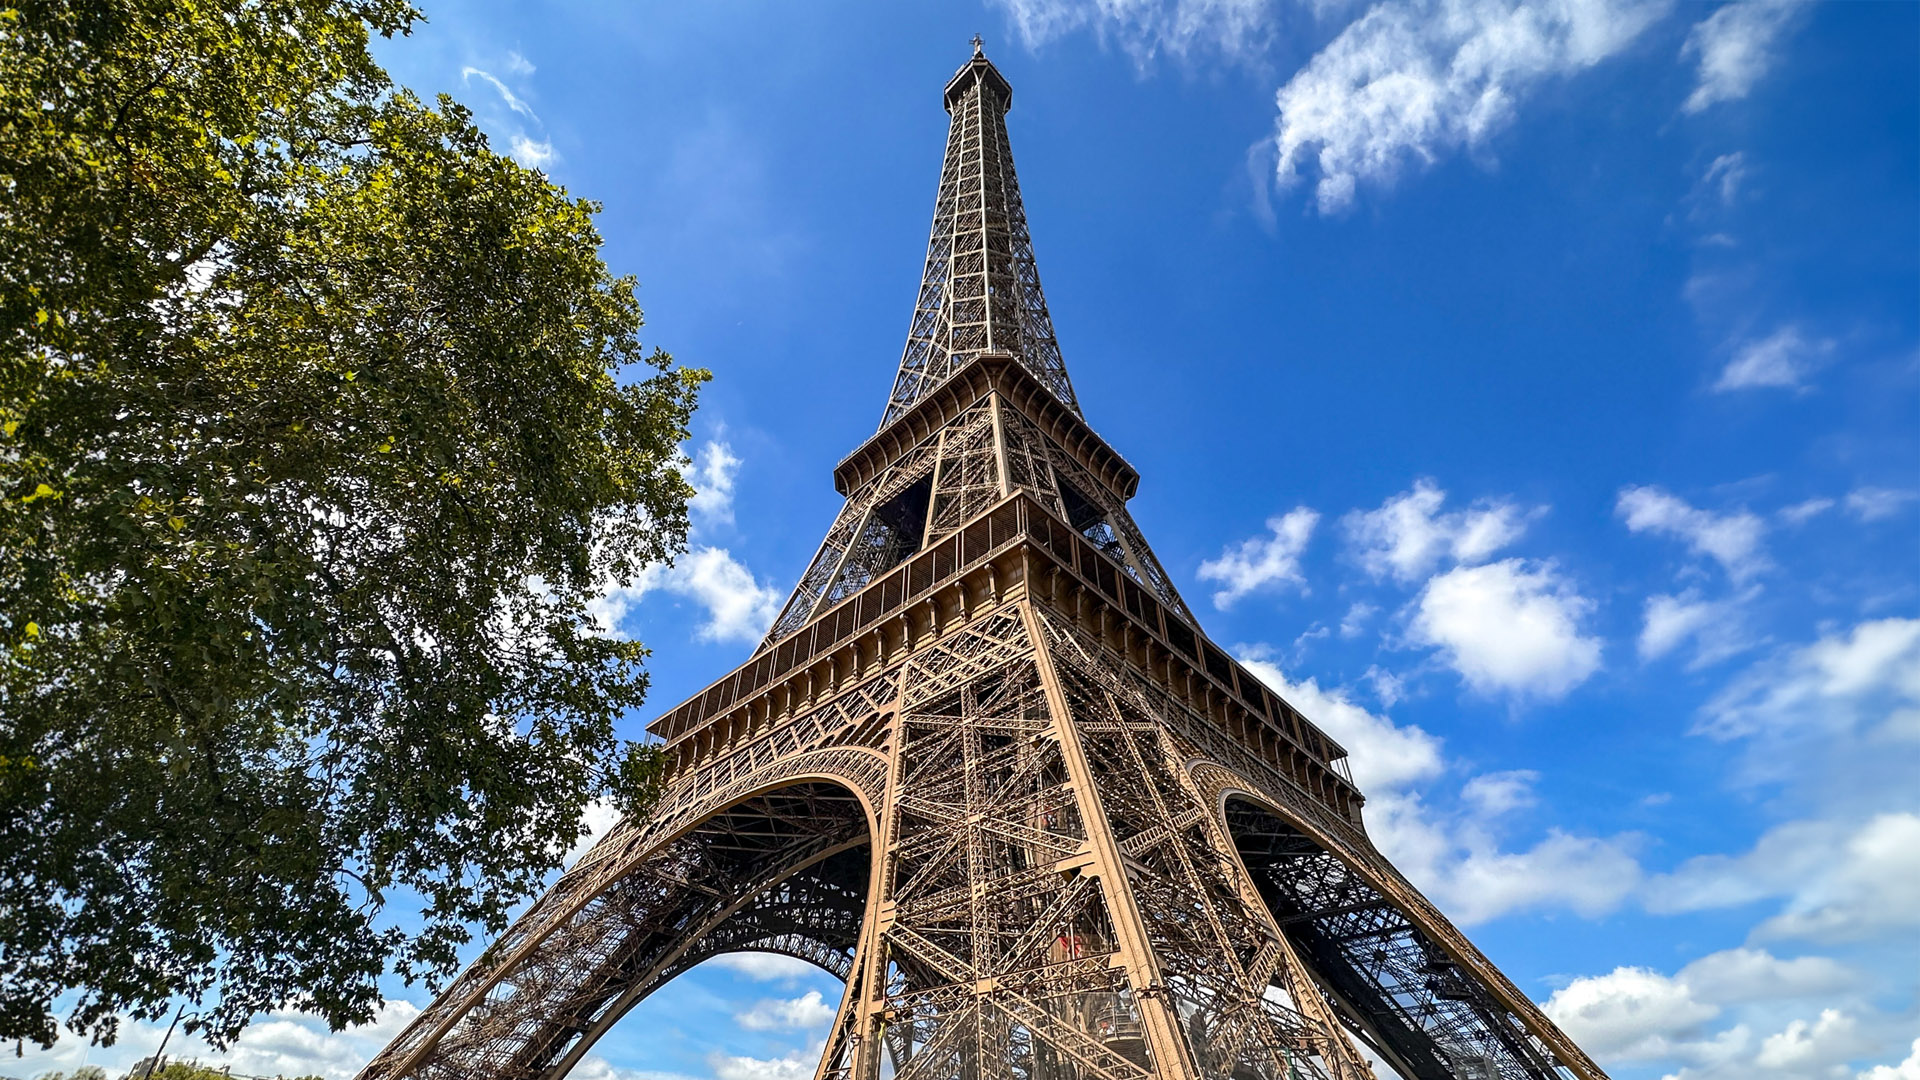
988,771
980,291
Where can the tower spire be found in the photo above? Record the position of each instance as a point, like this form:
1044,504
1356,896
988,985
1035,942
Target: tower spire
980,289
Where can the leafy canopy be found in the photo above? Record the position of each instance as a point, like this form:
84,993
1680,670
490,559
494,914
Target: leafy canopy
320,426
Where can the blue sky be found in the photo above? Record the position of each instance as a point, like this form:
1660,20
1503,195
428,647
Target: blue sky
1530,389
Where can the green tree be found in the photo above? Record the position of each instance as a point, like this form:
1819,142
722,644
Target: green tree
320,426
182,1070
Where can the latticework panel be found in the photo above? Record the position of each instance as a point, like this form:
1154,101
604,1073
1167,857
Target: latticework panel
1040,466
997,954
1487,1029
1419,1004
1246,1008
967,481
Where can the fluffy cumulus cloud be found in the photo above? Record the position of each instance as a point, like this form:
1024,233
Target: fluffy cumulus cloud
1406,83
1908,1069
1630,1013
1734,47
1511,626
798,1065
531,152
598,820
1262,562
739,606
1782,359
1634,1014
275,1044
711,470
592,1067
1410,533
1383,755
1493,794
1735,540
809,1010
1409,82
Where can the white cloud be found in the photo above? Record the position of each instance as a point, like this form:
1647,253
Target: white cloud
1635,1014
275,1044
1509,626
1745,974
1782,359
1875,886
1671,620
1493,794
739,608
600,818
1628,1014
592,1067
1802,512
1716,627
1408,535
711,471
533,154
1806,1047
1725,176
1864,678
1871,504
1413,80
1384,755
1839,882
1735,48
513,100
798,1065
809,1010
765,967
1906,1070
1236,29
1262,562
1386,686
1354,622
1732,540
1457,859
1462,866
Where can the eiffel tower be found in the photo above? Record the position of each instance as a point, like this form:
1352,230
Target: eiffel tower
987,770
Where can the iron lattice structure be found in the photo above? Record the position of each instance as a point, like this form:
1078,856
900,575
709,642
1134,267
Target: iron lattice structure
987,770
